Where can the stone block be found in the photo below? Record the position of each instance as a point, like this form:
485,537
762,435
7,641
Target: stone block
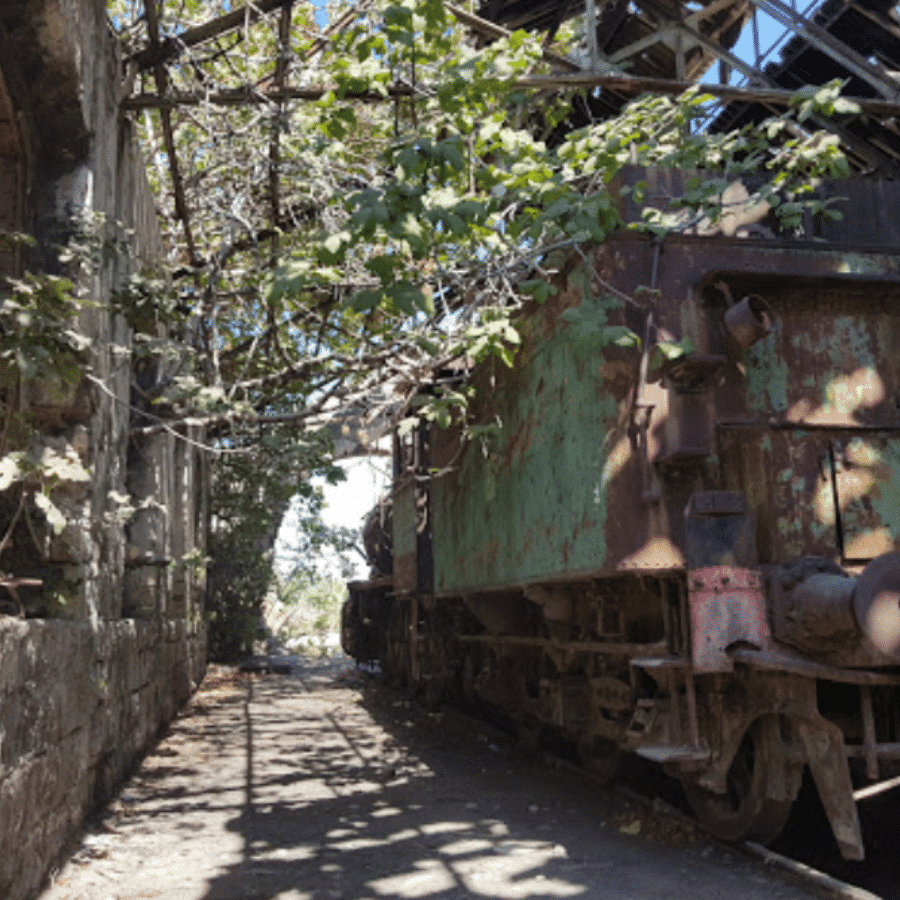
46,648
74,756
143,589
10,716
78,699
80,797
12,809
25,726
148,658
34,860
54,781
182,682
75,645
101,643
9,869
29,658
59,824
152,714
134,673
50,719
146,634
35,794
42,787
9,660
81,649
166,703
97,734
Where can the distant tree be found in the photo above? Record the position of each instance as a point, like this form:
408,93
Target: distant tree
250,494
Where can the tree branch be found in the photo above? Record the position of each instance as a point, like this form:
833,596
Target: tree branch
160,52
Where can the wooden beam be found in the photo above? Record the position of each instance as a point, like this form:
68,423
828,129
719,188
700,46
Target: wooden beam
161,51
165,115
492,30
625,84
248,96
281,71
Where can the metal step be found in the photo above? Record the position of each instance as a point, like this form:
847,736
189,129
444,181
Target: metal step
661,662
667,753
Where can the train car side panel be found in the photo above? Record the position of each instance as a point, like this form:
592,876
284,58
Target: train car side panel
532,501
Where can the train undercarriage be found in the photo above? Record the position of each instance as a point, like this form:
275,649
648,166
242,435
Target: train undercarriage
606,666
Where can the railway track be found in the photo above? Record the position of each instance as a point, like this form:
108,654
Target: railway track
807,839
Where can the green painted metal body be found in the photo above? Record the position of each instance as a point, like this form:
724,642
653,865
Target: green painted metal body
535,505
562,490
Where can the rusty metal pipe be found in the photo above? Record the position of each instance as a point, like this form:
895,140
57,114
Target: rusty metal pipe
827,611
823,608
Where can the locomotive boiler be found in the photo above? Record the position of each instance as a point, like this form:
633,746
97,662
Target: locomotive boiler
692,555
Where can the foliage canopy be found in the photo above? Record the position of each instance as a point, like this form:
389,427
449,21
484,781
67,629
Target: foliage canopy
325,247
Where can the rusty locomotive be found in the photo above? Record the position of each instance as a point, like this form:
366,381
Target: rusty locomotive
695,558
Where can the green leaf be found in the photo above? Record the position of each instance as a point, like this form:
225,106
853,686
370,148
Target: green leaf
364,301
335,242
538,288
620,336
409,298
432,348
406,425
10,470
667,351
558,209
62,467
55,519
385,267
845,106
807,108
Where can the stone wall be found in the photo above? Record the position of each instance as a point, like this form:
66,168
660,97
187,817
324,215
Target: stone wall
84,694
79,703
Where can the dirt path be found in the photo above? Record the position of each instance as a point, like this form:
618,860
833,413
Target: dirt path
324,785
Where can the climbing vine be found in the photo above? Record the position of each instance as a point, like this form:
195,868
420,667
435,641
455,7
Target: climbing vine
42,361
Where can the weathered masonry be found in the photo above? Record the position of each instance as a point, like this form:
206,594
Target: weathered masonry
96,658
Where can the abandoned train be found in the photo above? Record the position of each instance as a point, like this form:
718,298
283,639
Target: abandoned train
690,556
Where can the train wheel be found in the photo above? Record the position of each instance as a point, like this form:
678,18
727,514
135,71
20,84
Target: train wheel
396,666
600,757
528,731
748,810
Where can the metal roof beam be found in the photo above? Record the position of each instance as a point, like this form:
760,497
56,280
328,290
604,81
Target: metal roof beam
161,51
492,30
875,75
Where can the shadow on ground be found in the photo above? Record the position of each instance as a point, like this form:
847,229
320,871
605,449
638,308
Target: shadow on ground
352,810
361,795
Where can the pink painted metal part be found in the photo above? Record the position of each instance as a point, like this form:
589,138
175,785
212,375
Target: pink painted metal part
727,607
